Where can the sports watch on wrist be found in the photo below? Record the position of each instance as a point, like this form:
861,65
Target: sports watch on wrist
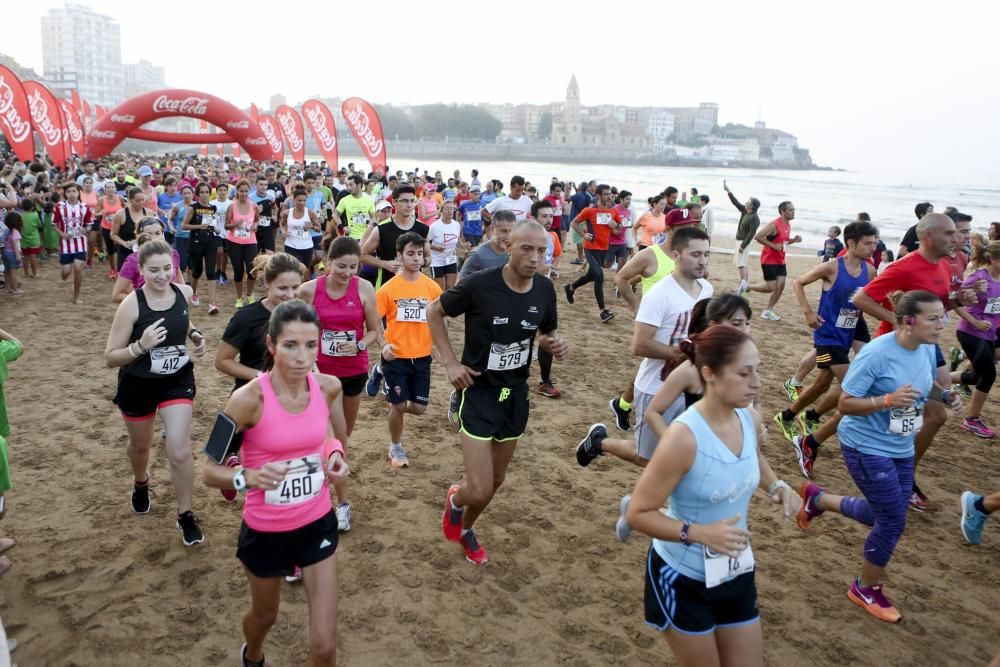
361,346
240,481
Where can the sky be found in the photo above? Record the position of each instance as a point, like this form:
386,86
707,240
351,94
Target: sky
905,90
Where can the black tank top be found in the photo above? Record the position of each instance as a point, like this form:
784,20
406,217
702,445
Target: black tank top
690,399
171,355
127,231
388,232
198,217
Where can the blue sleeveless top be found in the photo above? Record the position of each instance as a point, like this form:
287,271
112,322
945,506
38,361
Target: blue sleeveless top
718,486
835,305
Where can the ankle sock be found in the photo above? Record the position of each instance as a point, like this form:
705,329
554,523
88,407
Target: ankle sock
812,415
623,404
979,505
787,416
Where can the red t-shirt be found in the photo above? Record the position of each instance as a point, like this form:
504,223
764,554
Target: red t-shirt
599,224
769,255
912,272
956,265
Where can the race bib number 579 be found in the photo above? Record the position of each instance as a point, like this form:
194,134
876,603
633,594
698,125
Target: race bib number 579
508,357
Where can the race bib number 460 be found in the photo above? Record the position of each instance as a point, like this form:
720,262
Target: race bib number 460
168,360
508,357
720,568
303,482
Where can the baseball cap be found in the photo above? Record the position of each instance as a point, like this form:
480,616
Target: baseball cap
382,205
145,170
476,189
430,187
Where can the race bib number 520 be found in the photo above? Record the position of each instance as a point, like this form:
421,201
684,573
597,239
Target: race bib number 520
411,310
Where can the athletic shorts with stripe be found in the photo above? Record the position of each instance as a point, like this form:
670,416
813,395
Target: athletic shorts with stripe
493,413
673,600
831,355
139,398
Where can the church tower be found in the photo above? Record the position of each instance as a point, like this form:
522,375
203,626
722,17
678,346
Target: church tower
572,123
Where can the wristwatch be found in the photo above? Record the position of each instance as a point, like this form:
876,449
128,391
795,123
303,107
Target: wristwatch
361,346
240,481
685,527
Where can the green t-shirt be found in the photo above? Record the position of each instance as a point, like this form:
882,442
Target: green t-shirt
31,236
9,351
357,213
327,193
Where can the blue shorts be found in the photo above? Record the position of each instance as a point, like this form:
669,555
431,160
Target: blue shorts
407,380
10,261
70,257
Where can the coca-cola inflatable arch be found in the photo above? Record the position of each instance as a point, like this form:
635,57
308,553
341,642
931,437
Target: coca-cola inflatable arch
126,120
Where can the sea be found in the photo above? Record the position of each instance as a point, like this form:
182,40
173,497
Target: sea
821,198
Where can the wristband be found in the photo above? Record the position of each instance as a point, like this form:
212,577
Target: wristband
138,344
874,404
946,395
131,351
888,402
685,527
193,332
775,485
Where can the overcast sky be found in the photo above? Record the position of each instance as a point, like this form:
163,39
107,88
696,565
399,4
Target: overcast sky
906,90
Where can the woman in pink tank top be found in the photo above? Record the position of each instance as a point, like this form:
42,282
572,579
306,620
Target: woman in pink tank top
241,225
291,450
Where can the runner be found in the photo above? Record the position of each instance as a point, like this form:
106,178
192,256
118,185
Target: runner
130,278
123,225
834,324
350,324
925,269
882,399
516,201
650,229
222,204
775,236
379,250
542,212
470,212
355,210
72,218
199,220
241,223
427,206
266,211
156,375
445,236
405,359
296,223
182,237
602,221
618,249
700,567
494,252
503,307
292,448
976,510
745,232
90,197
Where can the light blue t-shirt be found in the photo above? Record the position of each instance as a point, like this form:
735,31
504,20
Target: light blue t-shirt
718,486
179,220
882,367
315,202
165,202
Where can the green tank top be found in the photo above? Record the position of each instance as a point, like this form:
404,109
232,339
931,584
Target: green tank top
664,267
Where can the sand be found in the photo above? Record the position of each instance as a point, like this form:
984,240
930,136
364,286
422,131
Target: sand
93,584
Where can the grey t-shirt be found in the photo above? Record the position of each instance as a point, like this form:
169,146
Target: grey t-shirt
483,257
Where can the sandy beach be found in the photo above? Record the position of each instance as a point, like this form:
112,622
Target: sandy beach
93,584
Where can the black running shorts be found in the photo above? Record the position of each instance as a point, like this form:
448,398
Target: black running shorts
139,398
494,413
277,554
831,355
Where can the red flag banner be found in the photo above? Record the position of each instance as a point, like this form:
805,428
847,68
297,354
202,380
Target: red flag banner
320,121
46,117
272,134
15,116
367,129
203,128
291,128
88,119
71,128
99,112
74,98
254,113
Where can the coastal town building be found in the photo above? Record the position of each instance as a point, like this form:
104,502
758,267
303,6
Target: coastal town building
82,51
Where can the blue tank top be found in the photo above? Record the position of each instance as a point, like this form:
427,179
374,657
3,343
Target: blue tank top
840,316
718,485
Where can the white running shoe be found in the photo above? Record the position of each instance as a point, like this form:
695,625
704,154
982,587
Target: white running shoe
770,315
344,517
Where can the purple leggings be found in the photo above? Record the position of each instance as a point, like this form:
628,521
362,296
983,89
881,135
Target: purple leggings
886,484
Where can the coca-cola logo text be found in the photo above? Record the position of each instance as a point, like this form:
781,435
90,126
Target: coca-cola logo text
253,141
238,125
317,120
194,106
75,133
271,134
362,129
20,128
51,135
122,118
291,131
103,134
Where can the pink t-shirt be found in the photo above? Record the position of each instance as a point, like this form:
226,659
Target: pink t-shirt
243,232
618,238
130,269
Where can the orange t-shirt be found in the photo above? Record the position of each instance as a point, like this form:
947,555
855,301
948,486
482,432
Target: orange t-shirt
599,224
556,246
648,226
403,304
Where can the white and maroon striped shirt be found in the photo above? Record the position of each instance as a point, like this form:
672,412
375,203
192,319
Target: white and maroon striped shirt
72,220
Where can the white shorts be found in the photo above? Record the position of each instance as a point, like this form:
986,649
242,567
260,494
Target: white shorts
629,238
740,257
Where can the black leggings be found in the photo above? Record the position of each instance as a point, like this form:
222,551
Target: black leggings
202,258
545,364
595,272
979,351
109,245
304,255
242,256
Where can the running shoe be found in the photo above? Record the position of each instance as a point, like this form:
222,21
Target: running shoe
962,389
621,415
474,553
607,316
548,389
250,299
230,494
569,293
805,453
89,265
623,531
972,519
223,280
788,429
873,600
453,409
975,426
590,447
806,425
344,518
919,502
213,309
955,355
791,390
451,520
374,381
112,274
101,256
743,288
240,303
809,512
769,314
618,293
576,261
195,300
190,530
295,576
397,456
140,497
244,662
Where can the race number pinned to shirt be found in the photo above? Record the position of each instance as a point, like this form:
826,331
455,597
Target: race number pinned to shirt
508,357
720,568
992,306
905,421
848,318
168,360
411,310
303,482
472,216
74,232
330,339
242,233
264,221
604,219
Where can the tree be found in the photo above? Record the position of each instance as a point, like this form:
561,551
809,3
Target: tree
545,125
437,121
395,123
